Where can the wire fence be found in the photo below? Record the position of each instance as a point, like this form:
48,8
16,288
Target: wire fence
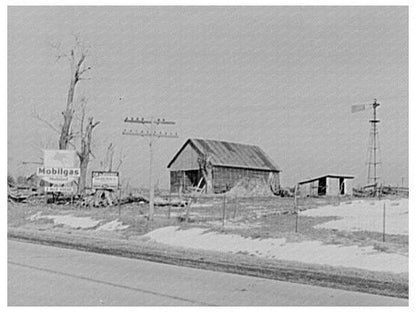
222,208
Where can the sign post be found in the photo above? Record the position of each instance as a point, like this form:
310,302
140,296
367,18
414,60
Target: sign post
119,199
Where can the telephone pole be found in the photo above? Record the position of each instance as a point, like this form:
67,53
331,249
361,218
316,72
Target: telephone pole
153,134
373,161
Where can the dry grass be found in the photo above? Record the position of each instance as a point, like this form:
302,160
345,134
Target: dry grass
249,217
267,217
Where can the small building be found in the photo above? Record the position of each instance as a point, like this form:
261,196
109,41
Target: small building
230,162
329,185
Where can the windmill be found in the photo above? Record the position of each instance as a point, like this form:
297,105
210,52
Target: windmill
374,159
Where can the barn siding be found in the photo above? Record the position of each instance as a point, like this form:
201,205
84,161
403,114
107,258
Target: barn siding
348,186
175,181
186,160
332,186
224,178
178,179
309,189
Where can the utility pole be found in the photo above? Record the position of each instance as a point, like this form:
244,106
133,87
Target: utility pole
373,161
153,134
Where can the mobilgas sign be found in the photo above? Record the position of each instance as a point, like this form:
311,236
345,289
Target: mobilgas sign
57,175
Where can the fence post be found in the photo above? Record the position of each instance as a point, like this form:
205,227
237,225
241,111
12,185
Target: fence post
170,202
188,207
223,212
119,200
296,208
384,222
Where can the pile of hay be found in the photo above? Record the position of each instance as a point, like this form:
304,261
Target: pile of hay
250,188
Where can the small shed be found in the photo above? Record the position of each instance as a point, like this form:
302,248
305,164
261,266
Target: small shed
330,185
230,162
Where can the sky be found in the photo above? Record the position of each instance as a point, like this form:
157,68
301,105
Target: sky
282,78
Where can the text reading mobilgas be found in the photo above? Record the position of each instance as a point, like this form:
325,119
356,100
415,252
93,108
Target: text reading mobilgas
67,172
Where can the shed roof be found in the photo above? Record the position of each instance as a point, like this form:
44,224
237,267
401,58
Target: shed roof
228,154
327,176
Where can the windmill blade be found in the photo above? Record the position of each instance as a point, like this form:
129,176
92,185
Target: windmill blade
357,108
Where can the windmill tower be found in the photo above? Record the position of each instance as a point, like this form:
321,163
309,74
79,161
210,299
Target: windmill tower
374,159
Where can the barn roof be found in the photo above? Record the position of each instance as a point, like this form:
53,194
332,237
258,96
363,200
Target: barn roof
228,154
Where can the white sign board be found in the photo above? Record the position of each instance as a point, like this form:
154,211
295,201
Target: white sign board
62,189
105,180
59,167
59,158
56,175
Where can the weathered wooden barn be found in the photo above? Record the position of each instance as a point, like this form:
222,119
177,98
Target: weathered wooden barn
330,185
230,162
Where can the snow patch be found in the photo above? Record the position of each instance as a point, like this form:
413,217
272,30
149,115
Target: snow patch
35,217
114,225
315,252
68,220
364,215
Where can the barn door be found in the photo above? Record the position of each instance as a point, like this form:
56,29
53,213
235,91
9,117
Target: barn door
322,186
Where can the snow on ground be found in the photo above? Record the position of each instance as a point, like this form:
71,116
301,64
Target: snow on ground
69,220
200,205
365,215
34,217
316,252
114,225
81,222
235,224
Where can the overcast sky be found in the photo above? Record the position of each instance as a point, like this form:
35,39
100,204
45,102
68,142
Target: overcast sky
282,78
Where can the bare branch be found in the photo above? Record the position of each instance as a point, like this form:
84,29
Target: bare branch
82,119
81,60
50,125
60,53
120,160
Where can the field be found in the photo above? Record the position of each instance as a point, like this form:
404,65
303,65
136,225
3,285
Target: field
338,233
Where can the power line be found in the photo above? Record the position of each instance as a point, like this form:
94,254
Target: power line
153,134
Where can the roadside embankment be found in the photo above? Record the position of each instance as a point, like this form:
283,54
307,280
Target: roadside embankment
140,247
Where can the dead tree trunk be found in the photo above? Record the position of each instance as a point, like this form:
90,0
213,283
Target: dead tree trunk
77,69
68,114
84,154
107,164
205,165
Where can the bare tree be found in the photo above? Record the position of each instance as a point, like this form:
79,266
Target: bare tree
107,164
205,165
121,158
76,58
85,149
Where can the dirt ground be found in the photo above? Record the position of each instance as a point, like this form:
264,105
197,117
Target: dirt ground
267,217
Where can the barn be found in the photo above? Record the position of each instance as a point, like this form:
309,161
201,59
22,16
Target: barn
329,184
229,163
